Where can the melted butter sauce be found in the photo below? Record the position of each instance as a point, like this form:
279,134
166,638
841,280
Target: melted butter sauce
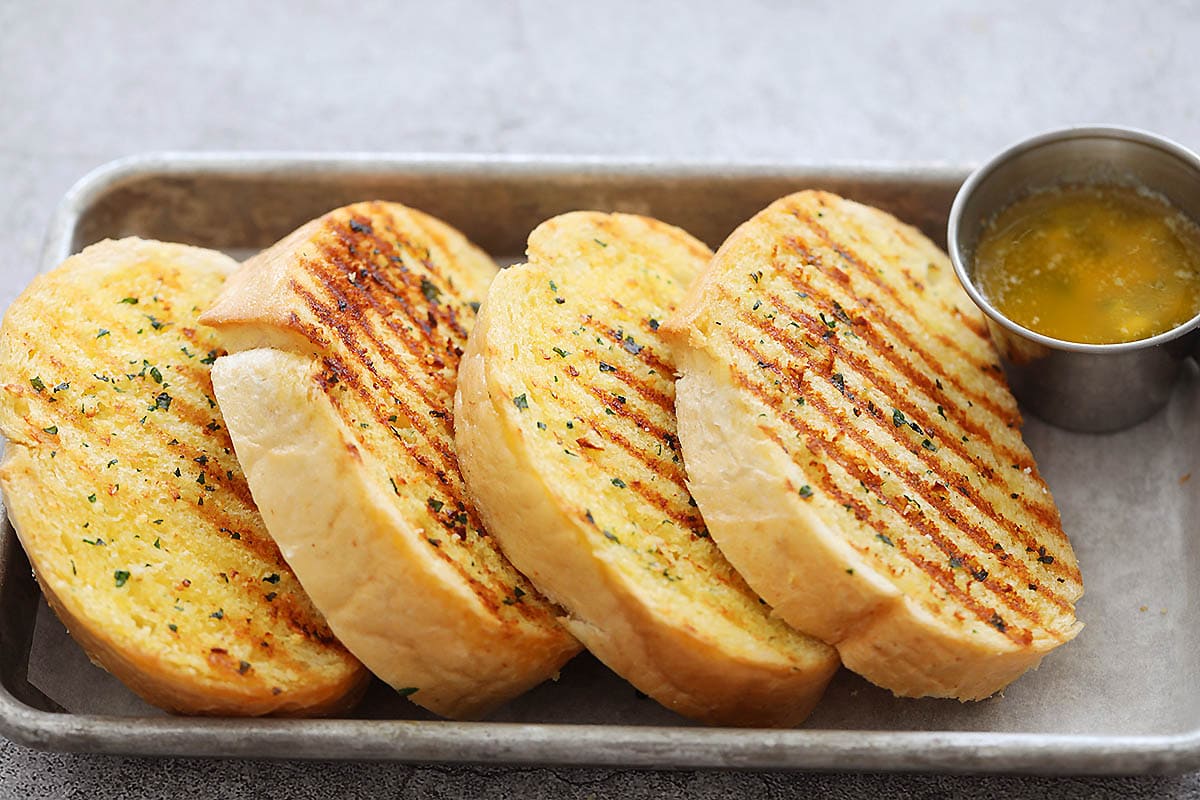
1092,264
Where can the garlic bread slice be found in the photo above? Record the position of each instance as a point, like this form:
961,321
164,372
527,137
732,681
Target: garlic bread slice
855,449
566,435
122,484
347,336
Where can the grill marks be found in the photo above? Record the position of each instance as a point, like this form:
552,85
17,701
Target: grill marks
344,326
1045,515
849,257
862,512
871,314
822,444
400,329
443,467
342,243
155,480
201,449
654,416
353,315
437,457
350,330
837,374
189,435
634,416
928,460
648,356
228,511
650,463
641,387
443,463
817,443
1006,416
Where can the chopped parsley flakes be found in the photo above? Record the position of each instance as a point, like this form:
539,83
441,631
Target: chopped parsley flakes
430,290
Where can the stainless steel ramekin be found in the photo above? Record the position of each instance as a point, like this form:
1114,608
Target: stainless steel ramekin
1083,387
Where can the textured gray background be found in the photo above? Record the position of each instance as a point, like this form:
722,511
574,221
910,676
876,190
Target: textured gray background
82,83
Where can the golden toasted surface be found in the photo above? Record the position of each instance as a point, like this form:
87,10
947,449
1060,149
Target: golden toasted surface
367,310
904,486
568,389
123,487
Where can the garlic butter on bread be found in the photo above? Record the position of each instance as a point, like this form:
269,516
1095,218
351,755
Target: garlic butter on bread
122,485
564,421
856,452
344,343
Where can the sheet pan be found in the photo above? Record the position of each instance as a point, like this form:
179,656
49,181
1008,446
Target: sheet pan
1122,698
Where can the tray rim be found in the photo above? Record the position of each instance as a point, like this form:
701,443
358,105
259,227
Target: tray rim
127,169
542,743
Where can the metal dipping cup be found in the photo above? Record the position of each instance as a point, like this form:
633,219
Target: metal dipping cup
1092,388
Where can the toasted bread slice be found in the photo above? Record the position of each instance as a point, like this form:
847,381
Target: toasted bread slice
854,447
121,481
566,435
349,333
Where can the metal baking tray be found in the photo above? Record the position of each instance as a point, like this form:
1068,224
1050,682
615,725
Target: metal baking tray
1122,698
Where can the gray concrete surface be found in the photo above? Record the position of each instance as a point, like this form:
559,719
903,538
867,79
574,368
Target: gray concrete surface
83,82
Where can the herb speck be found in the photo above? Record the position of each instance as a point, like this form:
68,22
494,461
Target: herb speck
431,291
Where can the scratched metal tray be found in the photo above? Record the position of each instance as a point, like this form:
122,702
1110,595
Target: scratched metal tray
1123,698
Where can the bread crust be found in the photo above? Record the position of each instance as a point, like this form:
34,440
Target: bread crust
782,540
376,572
619,620
39,497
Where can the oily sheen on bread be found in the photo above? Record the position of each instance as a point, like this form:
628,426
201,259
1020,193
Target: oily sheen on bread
123,487
856,452
566,435
347,336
